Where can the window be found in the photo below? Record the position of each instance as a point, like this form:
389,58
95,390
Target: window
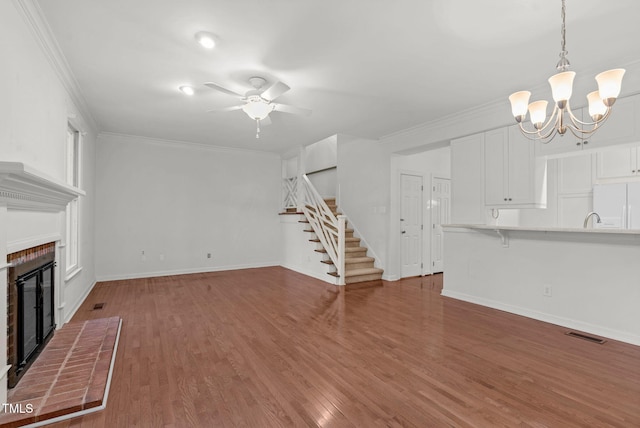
73,178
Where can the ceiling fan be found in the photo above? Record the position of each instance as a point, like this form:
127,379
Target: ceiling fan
258,102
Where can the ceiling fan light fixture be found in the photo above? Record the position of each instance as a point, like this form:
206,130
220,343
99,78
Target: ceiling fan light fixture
186,89
206,39
257,108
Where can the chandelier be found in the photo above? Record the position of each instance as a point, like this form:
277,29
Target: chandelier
600,101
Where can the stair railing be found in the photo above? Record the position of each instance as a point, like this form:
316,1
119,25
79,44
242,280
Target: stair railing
329,228
289,193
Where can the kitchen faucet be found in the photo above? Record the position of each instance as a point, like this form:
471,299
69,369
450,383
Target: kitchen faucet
586,219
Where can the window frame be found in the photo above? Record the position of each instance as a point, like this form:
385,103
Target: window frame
74,178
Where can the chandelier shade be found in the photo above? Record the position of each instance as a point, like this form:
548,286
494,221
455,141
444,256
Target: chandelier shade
520,103
600,101
610,84
562,86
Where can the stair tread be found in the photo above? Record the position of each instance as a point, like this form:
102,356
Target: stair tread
333,274
359,260
352,260
365,271
352,239
355,249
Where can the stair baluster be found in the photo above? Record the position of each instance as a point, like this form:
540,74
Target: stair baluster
330,231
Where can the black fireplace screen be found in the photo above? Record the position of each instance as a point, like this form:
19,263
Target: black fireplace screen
35,311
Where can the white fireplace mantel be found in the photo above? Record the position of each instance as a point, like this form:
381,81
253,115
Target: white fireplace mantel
25,188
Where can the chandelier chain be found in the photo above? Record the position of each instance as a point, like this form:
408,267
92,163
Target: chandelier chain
563,64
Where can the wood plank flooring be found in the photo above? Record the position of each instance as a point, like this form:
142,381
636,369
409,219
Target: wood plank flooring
270,347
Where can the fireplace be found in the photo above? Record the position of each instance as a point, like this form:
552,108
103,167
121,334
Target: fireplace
30,314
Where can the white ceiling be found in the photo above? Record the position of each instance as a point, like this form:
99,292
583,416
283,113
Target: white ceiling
365,67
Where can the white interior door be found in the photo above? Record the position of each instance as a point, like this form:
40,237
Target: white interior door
440,214
411,225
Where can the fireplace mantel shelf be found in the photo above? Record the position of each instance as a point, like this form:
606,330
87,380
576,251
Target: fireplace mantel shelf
23,187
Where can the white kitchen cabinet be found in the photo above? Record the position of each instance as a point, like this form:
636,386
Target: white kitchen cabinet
560,144
467,180
514,177
618,163
576,173
496,161
620,128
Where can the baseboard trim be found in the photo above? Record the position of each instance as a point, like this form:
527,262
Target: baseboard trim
120,277
621,336
320,276
78,303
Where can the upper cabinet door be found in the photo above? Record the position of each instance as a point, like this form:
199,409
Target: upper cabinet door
521,168
514,177
617,163
621,127
496,167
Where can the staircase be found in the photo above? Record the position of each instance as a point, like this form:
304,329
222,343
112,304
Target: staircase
358,266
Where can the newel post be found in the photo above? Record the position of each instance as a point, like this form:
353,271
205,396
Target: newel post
341,248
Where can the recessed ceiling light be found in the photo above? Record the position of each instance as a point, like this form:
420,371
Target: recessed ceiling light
206,40
186,89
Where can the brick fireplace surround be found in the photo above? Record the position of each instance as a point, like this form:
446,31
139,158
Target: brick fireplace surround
32,207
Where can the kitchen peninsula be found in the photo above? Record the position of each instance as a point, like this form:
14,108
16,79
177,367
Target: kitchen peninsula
582,279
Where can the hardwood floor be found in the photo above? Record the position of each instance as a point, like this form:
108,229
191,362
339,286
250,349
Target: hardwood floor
270,347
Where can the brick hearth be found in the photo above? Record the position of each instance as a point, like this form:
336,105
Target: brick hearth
71,375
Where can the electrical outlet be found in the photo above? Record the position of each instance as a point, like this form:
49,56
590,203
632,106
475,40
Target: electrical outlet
208,255
547,291
161,257
142,256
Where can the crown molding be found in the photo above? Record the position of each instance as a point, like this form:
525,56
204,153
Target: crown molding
35,20
138,139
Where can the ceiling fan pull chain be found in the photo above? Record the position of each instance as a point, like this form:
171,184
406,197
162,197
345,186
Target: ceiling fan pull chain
257,128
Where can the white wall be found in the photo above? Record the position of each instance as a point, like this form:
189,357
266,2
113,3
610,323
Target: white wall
34,110
321,155
593,277
177,202
363,185
325,182
318,157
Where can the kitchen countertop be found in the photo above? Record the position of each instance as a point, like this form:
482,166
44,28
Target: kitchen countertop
541,229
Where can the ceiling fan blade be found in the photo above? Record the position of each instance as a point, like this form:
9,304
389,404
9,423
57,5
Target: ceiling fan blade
222,110
285,108
274,91
225,90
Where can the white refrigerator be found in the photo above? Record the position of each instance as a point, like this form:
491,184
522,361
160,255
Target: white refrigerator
618,205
